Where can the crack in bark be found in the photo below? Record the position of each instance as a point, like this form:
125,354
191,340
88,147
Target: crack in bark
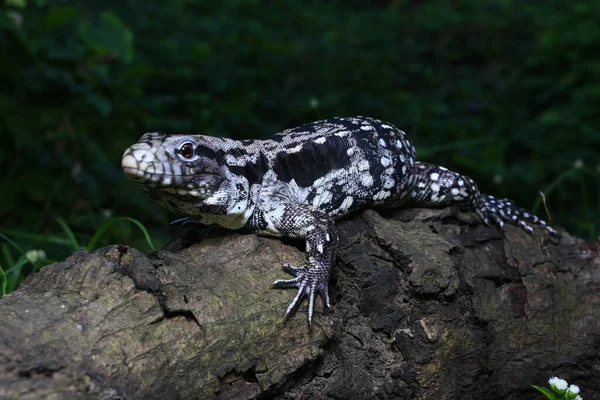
156,288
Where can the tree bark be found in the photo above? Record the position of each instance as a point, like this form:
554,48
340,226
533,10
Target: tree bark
427,304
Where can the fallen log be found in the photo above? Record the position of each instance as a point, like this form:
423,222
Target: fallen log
427,304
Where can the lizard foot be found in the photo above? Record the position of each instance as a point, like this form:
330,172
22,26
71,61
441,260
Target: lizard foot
502,210
309,281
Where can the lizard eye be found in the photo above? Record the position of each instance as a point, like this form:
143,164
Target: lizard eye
186,150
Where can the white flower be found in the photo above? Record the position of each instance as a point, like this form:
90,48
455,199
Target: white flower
574,389
578,164
34,256
578,397
557,383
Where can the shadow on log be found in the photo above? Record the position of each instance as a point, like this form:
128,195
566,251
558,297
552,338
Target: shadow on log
428,304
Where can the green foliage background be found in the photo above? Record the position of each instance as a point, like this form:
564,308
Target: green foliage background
505,91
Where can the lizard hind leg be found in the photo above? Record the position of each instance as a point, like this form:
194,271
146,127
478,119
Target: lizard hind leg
438,186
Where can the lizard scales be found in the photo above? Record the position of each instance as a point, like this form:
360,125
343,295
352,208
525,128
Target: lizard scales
297,182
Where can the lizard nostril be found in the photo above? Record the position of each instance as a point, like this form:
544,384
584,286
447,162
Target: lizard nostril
128,162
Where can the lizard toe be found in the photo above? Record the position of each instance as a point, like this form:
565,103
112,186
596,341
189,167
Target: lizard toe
502,211
296,271
309,283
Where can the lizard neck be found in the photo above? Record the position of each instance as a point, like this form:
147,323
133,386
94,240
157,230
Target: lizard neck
243,166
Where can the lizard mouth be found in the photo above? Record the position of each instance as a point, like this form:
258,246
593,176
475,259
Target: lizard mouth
172,178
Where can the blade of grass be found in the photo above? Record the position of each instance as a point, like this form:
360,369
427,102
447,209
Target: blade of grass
543,196
17,266
34,237
584,204
104,227
4,281
550,188
7,254
16,246
11,275
14,274
68,232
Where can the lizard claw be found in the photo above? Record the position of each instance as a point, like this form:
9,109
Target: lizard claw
309,282
181,221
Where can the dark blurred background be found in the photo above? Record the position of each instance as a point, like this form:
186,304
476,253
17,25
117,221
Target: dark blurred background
505,91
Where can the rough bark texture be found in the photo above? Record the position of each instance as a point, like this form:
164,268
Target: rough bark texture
428,304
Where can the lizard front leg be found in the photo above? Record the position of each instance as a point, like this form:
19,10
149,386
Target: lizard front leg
303,221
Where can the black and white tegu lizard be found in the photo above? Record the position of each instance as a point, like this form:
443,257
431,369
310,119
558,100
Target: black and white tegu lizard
297,182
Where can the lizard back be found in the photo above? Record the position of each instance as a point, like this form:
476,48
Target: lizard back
339,165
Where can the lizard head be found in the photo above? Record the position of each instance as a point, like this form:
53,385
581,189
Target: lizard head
181,172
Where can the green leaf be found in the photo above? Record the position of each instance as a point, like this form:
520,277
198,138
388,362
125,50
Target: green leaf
58,17
111,36
21,121
549,395
101,103
15,3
